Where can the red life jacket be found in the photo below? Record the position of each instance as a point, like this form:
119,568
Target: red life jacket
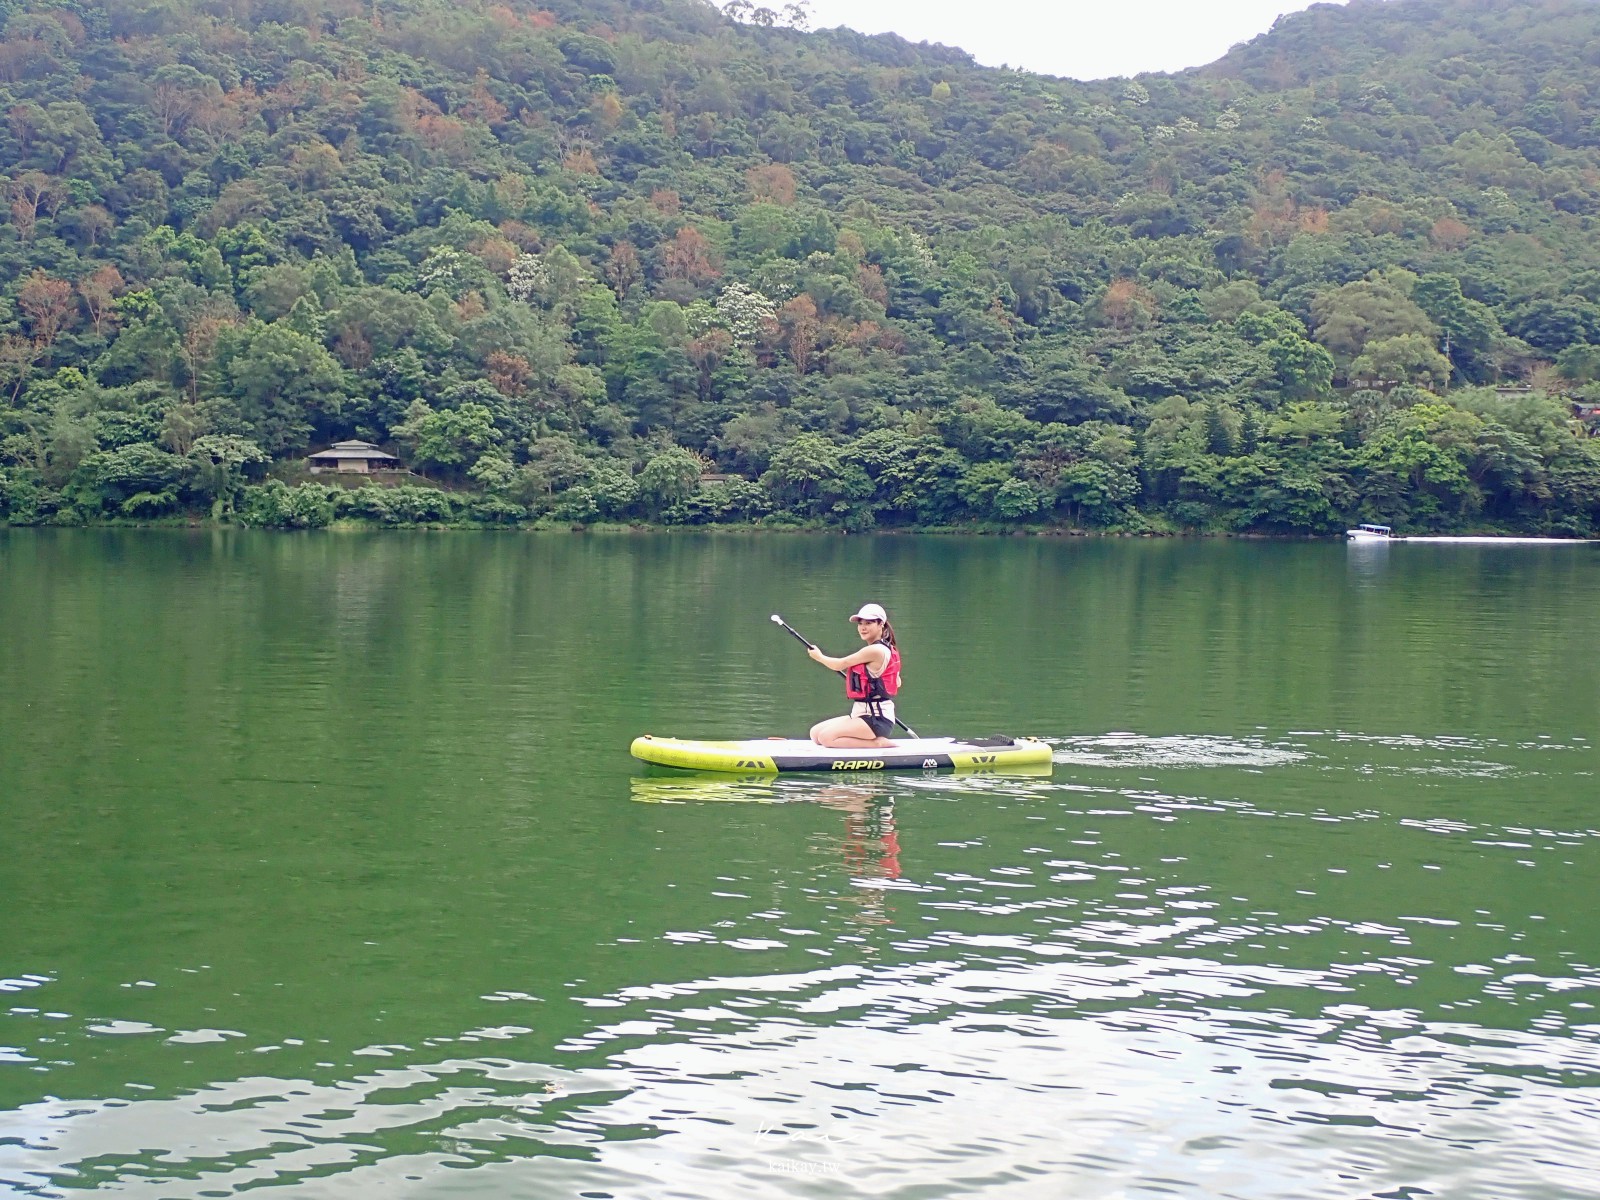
859,683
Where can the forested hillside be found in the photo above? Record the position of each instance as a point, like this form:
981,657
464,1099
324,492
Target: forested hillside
567,259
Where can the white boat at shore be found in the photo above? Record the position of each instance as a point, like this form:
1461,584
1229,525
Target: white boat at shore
1370,533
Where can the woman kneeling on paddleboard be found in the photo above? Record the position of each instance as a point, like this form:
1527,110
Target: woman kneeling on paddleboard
871,678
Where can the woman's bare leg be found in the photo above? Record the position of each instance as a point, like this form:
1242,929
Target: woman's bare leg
839,733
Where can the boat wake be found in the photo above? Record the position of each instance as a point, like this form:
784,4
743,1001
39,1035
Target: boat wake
1175,750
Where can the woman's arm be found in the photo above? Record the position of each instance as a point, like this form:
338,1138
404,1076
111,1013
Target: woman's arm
867,654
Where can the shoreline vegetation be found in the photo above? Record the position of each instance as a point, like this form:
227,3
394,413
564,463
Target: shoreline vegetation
655,263
344,524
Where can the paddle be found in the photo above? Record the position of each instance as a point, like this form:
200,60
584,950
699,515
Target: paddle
804,641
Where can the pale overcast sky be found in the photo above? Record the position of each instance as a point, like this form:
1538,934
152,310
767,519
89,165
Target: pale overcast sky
1066,37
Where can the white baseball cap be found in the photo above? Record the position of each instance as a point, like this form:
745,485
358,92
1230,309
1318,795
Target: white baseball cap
871,612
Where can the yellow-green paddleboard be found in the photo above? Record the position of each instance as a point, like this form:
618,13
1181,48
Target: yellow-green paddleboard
772,755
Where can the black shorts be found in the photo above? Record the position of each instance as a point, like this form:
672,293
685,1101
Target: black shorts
881,726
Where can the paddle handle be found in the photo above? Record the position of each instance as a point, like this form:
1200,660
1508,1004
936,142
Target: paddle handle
800,637
810,645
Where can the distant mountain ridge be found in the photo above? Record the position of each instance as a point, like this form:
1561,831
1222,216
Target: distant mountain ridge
567,258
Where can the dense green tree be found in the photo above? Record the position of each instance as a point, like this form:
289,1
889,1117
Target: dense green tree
276,505
222,461
283,385
669,477
449,440
1418,464
1473,337
1409,358
1301,369
1350,317
137,480
810,476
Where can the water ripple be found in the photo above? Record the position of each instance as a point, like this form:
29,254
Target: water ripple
1180,750
898,1082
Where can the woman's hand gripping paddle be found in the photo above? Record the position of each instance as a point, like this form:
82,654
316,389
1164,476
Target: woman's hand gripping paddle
810,645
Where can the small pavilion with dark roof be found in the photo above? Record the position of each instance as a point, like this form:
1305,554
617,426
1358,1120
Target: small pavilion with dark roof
360,457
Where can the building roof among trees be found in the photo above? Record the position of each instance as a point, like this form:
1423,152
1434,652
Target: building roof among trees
353,449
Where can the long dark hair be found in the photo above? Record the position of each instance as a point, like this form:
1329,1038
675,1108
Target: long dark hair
888,634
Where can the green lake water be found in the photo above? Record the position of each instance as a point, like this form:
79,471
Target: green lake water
327,873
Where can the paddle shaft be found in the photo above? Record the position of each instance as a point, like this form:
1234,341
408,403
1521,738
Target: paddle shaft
810,645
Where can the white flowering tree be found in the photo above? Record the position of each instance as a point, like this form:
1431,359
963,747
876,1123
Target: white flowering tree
441,269
527,278
921,251
745,312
